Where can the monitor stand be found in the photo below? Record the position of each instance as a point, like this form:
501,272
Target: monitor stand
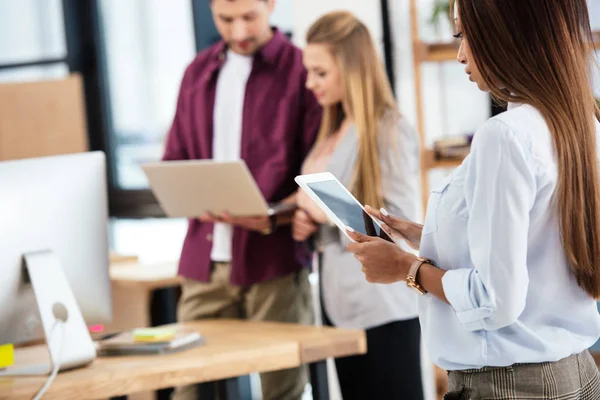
69,342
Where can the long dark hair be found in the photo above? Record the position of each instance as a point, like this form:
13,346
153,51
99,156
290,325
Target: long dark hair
538,52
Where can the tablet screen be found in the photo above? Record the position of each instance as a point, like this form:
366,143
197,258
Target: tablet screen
346,208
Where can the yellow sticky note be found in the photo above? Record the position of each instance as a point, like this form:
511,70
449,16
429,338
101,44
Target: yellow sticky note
153,334
7,355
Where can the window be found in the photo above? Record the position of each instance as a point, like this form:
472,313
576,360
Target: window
31,30
152,240
148,45
32,40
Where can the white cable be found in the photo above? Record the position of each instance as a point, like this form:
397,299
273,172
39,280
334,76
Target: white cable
56,362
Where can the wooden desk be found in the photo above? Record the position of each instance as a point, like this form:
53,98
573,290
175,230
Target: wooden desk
233,348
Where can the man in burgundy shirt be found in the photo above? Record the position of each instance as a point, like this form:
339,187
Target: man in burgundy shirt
245,98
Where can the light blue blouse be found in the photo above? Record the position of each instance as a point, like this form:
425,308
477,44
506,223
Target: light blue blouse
494,227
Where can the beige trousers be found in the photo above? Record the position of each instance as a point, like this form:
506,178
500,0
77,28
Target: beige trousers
286,299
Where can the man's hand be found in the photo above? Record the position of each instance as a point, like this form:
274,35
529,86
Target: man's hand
209,218
257,224
382,261
303,226
397,228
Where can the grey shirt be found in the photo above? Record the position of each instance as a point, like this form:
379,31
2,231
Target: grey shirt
349,300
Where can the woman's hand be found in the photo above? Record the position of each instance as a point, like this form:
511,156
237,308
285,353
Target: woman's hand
303,226
397,228
302,199
311,208
382,261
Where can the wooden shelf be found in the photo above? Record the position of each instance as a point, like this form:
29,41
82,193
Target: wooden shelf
430,161
428,52
447,51
438,52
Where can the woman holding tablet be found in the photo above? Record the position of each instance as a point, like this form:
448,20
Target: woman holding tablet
511,242
370,148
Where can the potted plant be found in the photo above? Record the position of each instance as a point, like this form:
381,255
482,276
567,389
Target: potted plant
441,9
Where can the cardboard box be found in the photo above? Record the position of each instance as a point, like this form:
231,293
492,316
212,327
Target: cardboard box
42,118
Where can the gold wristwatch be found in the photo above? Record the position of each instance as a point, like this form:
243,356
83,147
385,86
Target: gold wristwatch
411,277
272,225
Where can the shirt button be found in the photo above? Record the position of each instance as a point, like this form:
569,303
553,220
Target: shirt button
209,237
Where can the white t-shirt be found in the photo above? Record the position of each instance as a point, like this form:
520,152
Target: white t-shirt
227,134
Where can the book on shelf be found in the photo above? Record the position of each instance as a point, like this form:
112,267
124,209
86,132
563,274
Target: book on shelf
130,343
452,152
453,146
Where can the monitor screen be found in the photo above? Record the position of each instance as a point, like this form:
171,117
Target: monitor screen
345,207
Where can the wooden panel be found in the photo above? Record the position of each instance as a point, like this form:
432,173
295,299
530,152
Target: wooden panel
42,118
438,52
596,356
429,161
117,258
442,52
233,348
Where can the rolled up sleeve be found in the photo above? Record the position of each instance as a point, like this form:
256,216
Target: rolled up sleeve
500,189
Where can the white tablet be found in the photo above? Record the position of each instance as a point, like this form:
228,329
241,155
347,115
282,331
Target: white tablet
339,204
191,188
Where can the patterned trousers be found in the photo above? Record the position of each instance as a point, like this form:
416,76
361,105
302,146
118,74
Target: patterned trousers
572,378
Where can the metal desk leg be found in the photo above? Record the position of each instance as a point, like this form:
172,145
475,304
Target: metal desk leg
227,389
245,390
318,380
163,311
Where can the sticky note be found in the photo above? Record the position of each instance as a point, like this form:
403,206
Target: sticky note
7,355
153,334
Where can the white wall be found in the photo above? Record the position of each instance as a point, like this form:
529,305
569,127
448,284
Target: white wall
283,16
305,12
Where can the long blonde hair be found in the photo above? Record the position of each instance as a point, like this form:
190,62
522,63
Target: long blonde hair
367,95
538,53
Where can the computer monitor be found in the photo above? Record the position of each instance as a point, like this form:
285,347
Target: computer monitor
54,278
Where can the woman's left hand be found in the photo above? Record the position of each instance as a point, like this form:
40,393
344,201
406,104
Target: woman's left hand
382,261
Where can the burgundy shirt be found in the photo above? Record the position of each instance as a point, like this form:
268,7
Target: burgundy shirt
279,125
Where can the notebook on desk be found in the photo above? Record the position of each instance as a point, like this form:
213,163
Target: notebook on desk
126,344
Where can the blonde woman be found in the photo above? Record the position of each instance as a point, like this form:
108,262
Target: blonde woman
369,147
